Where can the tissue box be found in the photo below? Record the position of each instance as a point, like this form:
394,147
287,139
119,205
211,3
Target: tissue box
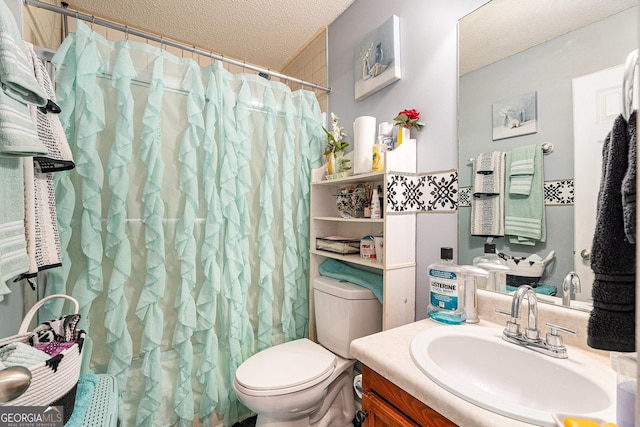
339,245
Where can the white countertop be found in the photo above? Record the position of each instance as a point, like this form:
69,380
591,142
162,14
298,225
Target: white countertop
388,354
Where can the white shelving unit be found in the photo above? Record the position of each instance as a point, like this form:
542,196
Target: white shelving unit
399,267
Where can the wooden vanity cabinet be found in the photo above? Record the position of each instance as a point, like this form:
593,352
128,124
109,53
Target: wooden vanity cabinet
388,405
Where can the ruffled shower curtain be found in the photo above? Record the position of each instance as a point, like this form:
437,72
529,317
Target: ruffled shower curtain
185,225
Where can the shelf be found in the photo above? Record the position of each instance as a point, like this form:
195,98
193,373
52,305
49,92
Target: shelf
398,270
353,179
353,258
337,219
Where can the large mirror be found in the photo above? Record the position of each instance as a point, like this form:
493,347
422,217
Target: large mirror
550,52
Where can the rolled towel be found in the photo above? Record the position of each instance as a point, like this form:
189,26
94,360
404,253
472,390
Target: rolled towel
87,385
341,271
21,354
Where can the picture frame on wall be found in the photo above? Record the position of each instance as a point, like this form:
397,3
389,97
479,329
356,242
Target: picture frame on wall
376,59
515,116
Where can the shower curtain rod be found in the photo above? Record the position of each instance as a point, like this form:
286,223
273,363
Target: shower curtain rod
162,40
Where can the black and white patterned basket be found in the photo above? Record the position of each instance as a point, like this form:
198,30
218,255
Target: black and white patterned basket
54,381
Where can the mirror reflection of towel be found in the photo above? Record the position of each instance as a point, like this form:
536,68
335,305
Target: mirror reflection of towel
521,169
487,204
487,172
525,221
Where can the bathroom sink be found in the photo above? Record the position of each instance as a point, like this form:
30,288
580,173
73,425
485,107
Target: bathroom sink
476,364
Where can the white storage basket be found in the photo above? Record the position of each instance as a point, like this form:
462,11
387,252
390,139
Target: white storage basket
50,380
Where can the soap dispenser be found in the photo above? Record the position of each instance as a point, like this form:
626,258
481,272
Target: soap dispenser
472,275
490,257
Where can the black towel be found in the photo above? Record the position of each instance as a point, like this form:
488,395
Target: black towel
629,184
612,321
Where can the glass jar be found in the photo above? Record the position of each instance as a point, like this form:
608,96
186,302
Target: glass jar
626,366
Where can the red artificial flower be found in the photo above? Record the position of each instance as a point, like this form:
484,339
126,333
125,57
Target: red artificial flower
408,119
411,114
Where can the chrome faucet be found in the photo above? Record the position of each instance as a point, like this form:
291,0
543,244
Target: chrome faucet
570,283
552,346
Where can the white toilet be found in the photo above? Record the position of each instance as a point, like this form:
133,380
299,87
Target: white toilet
301,383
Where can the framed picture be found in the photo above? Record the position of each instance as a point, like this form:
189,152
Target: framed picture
515,116
376,59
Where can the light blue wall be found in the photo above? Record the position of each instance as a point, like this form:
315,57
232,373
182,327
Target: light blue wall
548,69
428,53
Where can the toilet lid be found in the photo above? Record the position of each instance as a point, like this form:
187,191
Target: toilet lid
285,366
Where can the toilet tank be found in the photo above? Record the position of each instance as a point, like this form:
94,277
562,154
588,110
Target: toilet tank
344,312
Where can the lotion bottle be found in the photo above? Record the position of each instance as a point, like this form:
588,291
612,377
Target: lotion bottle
446,290
375,204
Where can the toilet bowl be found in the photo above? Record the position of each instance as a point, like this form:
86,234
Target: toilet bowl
301,383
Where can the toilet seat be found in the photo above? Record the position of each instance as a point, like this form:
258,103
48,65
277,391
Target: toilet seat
285,368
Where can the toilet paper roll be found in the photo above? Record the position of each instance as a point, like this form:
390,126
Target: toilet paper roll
357,385
364,136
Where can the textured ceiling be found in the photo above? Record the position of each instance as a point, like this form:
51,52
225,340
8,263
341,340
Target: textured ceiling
267,33
504,27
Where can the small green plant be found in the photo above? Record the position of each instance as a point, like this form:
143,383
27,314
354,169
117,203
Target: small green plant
335,137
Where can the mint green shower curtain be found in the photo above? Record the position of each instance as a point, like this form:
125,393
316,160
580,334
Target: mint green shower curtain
185,225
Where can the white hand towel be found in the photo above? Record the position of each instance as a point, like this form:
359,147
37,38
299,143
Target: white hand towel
487,205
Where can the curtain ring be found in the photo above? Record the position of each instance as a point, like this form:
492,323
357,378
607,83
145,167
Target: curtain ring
244,63
93,20
126,32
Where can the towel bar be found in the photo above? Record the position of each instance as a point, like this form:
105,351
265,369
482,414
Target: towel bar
547,148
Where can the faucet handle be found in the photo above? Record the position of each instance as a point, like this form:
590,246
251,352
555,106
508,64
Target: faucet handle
512,328
555,340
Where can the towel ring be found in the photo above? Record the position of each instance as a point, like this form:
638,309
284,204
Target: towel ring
628,83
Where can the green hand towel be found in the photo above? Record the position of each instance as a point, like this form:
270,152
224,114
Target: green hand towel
525,215
16,74
341,271
522,169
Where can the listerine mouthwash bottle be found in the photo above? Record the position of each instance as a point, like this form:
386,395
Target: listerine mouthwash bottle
446,290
